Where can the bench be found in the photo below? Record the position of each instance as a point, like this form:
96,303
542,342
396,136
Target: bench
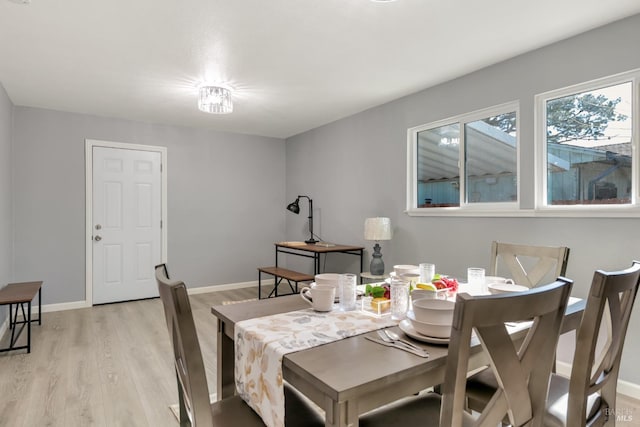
279,275
21,294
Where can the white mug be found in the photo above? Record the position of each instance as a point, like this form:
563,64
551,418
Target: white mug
320,297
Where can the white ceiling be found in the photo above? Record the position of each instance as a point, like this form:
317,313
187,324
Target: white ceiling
294,64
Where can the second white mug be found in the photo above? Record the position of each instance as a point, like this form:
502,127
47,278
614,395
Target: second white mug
321,297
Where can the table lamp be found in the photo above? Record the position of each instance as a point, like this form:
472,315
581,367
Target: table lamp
377,229
295,208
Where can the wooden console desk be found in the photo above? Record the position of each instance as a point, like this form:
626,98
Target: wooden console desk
306,250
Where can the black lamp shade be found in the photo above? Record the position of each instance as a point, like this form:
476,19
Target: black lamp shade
294,207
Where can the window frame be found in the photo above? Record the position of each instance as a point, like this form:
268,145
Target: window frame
542,208
466,208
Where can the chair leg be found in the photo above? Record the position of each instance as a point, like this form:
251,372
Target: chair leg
184,416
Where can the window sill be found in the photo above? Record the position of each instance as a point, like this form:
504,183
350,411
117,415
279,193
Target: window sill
470,212
573,212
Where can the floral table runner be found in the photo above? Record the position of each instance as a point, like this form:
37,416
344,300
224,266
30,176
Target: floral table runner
261,343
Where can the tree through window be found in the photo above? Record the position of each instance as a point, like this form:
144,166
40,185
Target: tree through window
588,147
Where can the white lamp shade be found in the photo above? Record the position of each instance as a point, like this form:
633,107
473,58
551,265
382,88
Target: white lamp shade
377,229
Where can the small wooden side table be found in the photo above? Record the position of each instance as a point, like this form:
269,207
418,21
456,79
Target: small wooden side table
21,294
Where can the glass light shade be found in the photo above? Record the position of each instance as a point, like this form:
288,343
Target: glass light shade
377,229
215,100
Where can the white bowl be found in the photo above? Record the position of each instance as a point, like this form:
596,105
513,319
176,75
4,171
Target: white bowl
437,330
505,288
438,311
327,279
402,269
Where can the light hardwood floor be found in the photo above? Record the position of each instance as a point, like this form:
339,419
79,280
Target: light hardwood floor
111,365
108,365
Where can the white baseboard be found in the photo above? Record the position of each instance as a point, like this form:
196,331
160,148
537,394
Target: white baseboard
624,387
62,306
227,287
192,291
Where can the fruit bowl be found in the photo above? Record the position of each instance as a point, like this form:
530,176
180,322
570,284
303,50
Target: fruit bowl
417,294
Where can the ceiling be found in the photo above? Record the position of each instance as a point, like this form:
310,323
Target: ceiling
293,64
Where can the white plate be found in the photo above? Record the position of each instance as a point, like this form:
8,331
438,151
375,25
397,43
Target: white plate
406,327
505,288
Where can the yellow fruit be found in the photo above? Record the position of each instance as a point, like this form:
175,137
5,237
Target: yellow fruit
427,286
380,305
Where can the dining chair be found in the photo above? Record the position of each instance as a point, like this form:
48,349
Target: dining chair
193,391
529,265
522,370
588,397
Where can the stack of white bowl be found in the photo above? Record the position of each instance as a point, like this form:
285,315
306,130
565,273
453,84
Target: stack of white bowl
432,317
327,279
399,270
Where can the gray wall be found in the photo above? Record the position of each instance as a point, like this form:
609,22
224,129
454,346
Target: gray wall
225,199
356,168
6,238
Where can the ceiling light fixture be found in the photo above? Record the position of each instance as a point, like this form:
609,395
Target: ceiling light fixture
215,100
20,1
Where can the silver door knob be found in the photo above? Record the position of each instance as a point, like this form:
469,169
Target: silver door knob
97,238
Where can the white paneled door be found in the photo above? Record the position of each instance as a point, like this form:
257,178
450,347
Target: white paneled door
127,214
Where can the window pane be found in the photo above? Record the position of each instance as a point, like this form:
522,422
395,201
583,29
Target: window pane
491,159
438,172
589,147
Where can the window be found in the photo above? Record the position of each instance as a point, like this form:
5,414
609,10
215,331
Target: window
585,146
465,162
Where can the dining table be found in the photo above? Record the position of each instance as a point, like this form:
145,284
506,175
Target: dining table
348,377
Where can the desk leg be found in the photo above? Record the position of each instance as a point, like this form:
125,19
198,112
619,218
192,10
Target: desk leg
226,386
29,330
40,306
341,414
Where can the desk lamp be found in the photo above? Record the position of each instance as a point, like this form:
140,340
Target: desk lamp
377,229
295,208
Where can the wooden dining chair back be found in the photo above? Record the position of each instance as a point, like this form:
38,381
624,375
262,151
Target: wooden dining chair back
528,265
193,391
522,370
195,409
594,375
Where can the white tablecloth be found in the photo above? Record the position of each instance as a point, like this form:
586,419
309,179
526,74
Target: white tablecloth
260,344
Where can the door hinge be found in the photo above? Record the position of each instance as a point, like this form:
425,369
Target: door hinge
160,223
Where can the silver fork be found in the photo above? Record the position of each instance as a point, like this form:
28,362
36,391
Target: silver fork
383,334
